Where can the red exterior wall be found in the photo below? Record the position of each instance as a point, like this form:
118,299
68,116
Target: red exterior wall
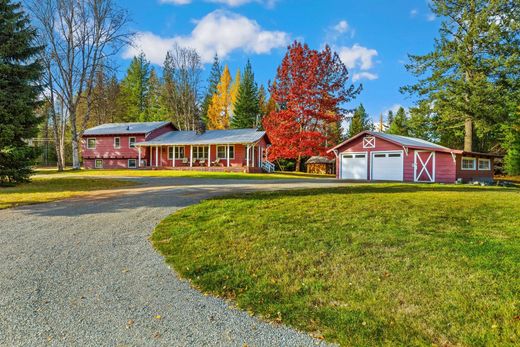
238,161
445,170
470,175
105,150
160,131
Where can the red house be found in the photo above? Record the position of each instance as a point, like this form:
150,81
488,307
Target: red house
374,156
161,145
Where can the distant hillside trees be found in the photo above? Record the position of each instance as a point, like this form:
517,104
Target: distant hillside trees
19,90
311,88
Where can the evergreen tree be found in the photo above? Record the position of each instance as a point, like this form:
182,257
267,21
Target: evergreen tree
19,89
135,88
512,144
213,80
262,101
220,108
399,124
154,108
359,122
472,71
247,105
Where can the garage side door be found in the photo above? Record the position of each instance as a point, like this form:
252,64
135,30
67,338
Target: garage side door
387,166
354,166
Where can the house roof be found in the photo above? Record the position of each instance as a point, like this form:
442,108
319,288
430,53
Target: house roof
399,140
210,137
319,160
124,128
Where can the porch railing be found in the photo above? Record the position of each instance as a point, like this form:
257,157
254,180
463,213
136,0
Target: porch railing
267,166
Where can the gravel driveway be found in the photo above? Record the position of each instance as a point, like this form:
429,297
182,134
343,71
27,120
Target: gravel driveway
82,272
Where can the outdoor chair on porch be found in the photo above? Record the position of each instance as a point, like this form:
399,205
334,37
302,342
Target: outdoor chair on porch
185,161
202,162
216,162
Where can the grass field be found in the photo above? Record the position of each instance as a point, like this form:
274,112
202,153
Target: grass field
50,189
388,264
182,174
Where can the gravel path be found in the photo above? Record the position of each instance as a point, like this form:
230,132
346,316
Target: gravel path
82,272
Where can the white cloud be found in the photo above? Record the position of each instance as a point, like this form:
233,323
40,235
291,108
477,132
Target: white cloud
392,108
357,56
219,32
341,27
414,12
431,17
364,75
175,2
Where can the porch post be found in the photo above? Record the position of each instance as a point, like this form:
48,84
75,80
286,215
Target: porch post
253,155
173,161
247,155
156,156
150,149
191,155
138,156
209,155
227,155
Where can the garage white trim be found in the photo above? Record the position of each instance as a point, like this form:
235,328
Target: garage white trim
387,166
353,166
421,166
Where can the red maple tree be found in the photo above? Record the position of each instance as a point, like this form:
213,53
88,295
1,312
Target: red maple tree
310,90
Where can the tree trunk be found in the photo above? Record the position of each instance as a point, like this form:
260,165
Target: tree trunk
75,141
298,164
468,135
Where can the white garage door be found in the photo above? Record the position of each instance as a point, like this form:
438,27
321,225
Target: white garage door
354,166
387,166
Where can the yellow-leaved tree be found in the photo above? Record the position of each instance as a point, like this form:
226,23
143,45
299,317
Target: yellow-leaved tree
220,108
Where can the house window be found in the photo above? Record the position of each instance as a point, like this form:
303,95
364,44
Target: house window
91,143
98,163
117,142
131,142
469,163
132,163
484,164
369,142
179,152
222,151
200,152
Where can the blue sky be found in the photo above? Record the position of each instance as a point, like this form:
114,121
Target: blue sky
373,37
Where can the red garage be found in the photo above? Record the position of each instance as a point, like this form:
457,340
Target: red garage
374,156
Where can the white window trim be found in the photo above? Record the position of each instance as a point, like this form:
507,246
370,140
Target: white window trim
468,158
369,144
119,146
485,160
95,142
130,142
177,157
225,151
95,164
132,167
205,149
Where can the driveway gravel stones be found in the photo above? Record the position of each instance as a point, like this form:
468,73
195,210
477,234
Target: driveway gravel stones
83,272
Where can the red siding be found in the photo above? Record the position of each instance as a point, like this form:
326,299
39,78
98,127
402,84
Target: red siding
444,166
107,163
470,175
160,131
105,147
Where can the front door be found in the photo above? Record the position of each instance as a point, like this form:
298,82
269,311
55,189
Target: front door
424,166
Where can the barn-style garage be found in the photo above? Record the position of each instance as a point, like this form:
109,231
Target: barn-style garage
374,156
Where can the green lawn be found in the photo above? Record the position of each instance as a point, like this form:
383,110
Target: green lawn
389,264
50,189
182,174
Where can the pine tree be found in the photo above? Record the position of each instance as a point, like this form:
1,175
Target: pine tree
19,90
213,80
471,72
154,108
247,104
359,122
220,108
135,88
262,101
399,124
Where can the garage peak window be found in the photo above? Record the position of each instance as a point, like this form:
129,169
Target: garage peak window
369,142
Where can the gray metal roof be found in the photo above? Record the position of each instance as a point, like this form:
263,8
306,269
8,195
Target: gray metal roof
210,137
124,128
408,141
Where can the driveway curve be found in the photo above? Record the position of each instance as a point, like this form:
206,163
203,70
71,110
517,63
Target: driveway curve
83,272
